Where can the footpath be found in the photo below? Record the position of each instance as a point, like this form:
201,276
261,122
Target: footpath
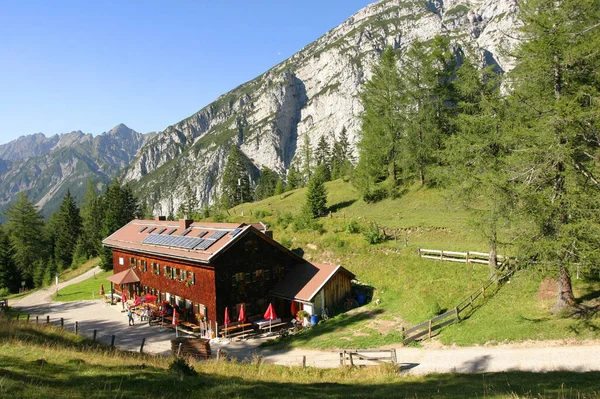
109,320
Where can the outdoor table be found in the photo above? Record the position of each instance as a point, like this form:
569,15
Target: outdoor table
265,323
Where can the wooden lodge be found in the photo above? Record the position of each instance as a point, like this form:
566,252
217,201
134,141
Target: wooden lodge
205,267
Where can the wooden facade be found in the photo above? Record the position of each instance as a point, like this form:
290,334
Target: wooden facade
243,273
333,292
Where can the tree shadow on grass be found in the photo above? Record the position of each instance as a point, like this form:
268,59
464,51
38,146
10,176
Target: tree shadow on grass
22,378
340,205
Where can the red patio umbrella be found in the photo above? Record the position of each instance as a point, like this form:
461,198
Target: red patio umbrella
149,298
175,320
101,289
293,309
123,298
242,316
226,319
270,315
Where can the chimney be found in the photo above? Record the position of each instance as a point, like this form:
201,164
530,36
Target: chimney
185,223
159,218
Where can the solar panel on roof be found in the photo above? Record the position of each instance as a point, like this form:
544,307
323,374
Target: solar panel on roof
172,241
171,232
202,234
217,235
205,244
151,230
235,232
161,230
186,232
142,229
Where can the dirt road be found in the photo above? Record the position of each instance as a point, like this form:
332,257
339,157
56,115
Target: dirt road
110,320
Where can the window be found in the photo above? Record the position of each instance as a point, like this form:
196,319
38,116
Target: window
143,265
248,278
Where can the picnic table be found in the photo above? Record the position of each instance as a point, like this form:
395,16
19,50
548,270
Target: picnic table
191,326
234,329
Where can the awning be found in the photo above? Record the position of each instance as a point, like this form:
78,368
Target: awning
127,276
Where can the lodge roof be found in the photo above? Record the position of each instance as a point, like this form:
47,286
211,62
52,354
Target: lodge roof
306,280
197,242
124,277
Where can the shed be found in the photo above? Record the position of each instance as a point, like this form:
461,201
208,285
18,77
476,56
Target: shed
315,286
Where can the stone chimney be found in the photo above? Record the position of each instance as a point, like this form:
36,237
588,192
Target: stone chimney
159,218
185,223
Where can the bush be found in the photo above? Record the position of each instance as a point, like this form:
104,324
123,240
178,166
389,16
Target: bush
286,242
4,292
306,222
373,235
261,214
334,241
434,308
182,368
375,195
284,219
353,227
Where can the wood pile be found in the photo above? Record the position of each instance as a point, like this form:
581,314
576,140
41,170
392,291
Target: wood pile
195,347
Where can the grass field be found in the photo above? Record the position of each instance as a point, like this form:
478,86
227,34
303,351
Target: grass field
45,362
87,289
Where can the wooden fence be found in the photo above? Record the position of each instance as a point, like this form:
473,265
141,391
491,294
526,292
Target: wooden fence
426,328
347,357
464,257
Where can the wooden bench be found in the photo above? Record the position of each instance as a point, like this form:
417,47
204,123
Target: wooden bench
276,325
231,330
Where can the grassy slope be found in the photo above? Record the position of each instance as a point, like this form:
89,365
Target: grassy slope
409,287
43,362
87,289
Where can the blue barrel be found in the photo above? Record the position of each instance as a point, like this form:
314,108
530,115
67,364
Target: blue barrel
314,319
361,299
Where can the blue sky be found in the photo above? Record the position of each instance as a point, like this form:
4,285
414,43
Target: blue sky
89,65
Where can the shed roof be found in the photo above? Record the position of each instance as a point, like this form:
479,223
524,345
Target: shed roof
135,236
124,277
306,280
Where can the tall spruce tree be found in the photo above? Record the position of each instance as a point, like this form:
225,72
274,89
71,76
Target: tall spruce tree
316,196
427,75
236,187
306,152
25,229
92,214
341,156
323,158
294,178
68,229
382,122
555,102
266,184
476,157
10,277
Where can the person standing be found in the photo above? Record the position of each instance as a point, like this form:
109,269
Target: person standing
130,316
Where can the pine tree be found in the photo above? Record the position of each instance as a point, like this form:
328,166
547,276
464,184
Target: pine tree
25,229
382,123
316,196
323,158
307,159
236,187
67,233
266,184
427,75
341,156
557,112
9,274
279,187
92,214
476,157
294,179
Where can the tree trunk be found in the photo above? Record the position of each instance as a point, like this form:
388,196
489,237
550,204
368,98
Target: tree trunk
421,175
565,290
493,264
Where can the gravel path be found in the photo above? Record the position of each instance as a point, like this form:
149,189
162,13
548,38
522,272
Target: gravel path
111,320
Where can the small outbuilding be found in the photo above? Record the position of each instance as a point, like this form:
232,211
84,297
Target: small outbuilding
315,286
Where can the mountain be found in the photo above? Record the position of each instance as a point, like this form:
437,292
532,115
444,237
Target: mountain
314,92
46,167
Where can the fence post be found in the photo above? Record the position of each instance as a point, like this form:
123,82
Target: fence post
402,330
429,328
303,361
179,349
467,258
341,361
28,317
37,319
18,315
142,347
112,341
456,313
351,360
393,356
419,251
76,328
47,319
218,353
483,292
95,332
62,323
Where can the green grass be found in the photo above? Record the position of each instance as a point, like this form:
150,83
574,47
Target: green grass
79,270
410,287
87,289
46,362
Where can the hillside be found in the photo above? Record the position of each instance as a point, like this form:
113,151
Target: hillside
45,168
412,289
314,93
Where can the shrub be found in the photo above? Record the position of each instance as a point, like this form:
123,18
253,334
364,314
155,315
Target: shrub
284,219
352,227
4,292
375,195
181,367
334,241
373,235
305,221
434,308
261,214
286,242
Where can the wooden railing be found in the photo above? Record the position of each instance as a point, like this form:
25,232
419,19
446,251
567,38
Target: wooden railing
452,316
377,356
464,257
